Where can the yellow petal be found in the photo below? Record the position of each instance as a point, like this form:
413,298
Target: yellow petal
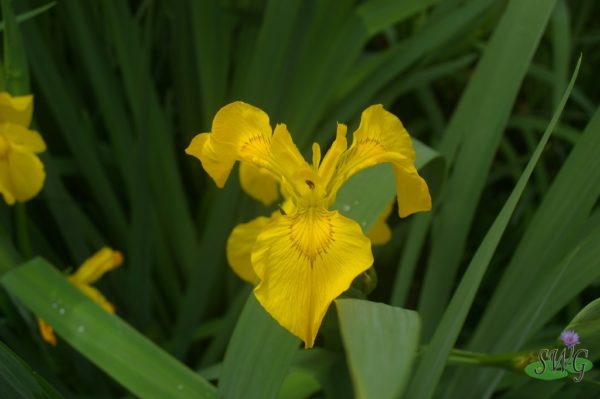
287,208
95,296
411,189
258,183
305,261
5,182
244,129
240,132
22,175
381,137
316,156
239,247
217,165
298,179
25,139
47,332
17,110
94,267
285,152
380,233
332,157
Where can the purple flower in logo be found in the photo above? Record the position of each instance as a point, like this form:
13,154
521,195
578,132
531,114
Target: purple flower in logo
570,338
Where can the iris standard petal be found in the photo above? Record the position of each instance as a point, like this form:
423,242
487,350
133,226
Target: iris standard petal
239,248
299,180
381,233
285,151
380,138
304,262
330,161
259,183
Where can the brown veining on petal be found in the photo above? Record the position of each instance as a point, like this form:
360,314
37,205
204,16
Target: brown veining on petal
312,234
365,146
257,143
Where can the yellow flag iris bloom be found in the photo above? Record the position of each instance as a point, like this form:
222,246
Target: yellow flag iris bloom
88,273
21,171
305,256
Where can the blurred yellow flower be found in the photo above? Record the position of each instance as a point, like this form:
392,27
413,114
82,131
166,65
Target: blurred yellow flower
306,256
21,171
88,273
381,233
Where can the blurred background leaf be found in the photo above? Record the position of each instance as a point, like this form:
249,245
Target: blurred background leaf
17,380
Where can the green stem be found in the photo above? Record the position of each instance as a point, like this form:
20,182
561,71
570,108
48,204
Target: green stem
9,258
513,361
23,242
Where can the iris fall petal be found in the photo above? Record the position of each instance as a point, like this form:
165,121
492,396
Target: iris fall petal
304,262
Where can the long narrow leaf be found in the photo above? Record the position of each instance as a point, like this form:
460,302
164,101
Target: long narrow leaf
555,231
258,356
16,72
477,126
106,340
431,366
31,14
18,380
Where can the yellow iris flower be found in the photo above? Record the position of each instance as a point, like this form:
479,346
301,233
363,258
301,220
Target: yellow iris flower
21,171
88,273
304,257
